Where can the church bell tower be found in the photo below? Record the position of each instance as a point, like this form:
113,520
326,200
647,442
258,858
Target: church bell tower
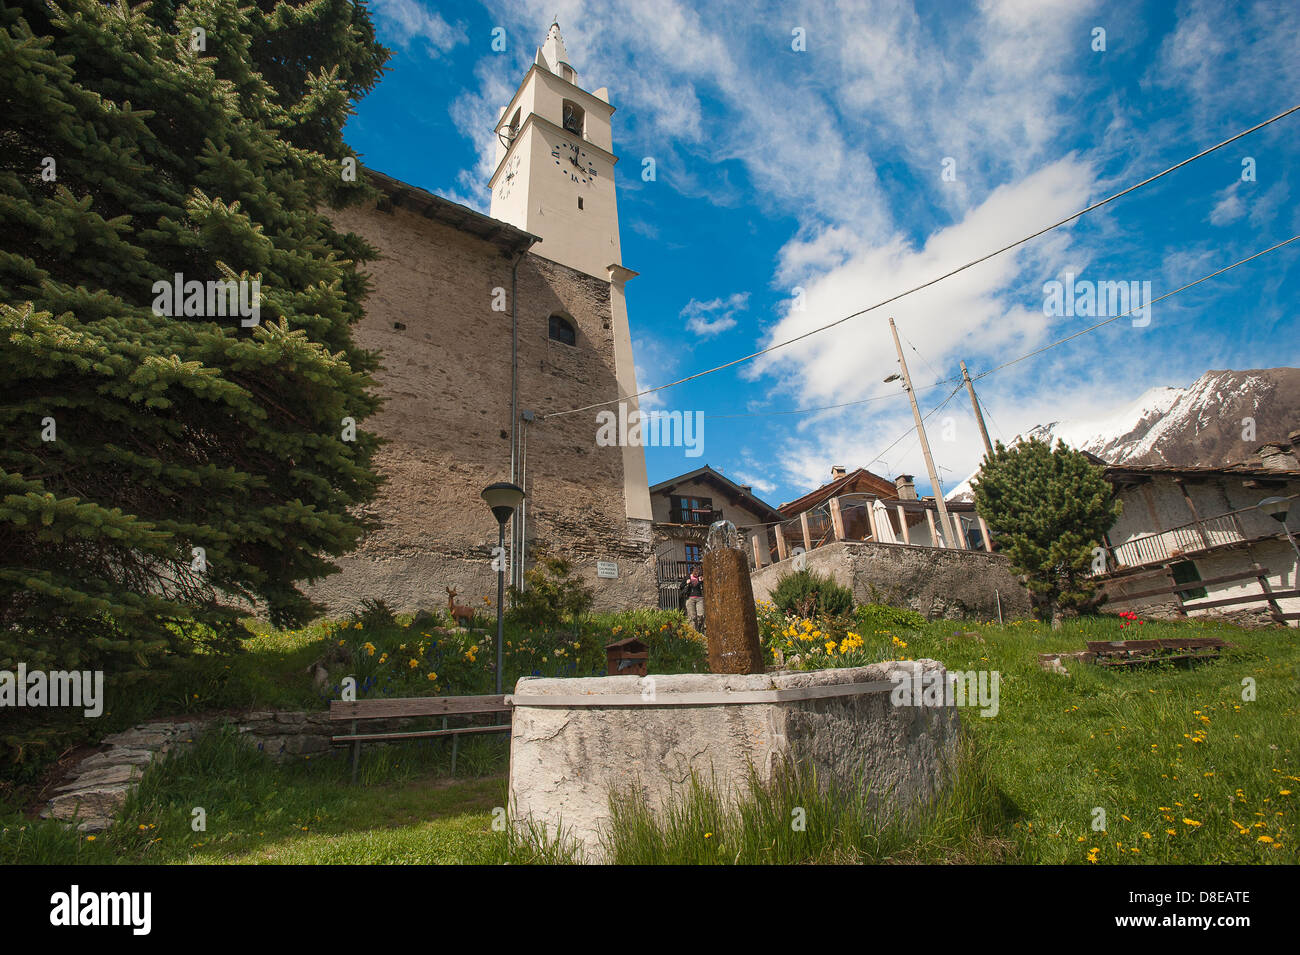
554,177
554,173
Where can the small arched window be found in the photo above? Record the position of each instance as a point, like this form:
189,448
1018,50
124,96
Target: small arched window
574,117
562,331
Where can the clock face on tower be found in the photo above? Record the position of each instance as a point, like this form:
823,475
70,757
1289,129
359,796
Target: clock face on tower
574,162
508,180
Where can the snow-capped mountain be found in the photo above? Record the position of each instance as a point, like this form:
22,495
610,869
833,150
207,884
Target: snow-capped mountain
1200,424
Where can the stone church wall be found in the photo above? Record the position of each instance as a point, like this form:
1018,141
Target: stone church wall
446,418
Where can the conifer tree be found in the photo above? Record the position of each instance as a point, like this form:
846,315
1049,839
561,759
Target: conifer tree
1048,509
159,470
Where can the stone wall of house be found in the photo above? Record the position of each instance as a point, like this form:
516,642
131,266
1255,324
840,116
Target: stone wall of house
446,380
952,584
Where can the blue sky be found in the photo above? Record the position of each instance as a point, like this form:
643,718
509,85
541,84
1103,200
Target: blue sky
823,170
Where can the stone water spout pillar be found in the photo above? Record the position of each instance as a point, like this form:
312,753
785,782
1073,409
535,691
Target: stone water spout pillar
730,624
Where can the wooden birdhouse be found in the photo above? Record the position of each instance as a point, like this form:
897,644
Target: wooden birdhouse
627,657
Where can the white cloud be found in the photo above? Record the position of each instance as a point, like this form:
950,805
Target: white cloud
714,316
848,362
409,23
846,142
758,484
1229,207
1218,58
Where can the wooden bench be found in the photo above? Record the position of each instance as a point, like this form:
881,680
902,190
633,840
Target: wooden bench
1118,653
408,707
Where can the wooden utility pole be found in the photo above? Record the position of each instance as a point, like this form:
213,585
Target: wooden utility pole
979,415
944,521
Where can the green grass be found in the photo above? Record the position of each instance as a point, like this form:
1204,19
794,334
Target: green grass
1157,748
1170,748
795,819
405,808
272,670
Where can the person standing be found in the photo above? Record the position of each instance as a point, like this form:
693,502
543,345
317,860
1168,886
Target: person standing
694,591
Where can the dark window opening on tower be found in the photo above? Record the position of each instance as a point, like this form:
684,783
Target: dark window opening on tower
574,117
562,331
579,202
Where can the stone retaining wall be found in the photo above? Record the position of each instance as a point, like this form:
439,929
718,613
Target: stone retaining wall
936,583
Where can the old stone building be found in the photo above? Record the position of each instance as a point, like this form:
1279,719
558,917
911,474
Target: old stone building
488,325
1196,541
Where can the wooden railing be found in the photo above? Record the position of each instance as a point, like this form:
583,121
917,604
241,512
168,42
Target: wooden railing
1184,539
1180,592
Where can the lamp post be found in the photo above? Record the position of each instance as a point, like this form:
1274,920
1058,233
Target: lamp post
1276,508
502,497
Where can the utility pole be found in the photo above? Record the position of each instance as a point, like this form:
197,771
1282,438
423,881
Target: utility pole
979,415
945,524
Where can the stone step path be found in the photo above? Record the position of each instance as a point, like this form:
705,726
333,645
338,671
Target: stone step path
101,782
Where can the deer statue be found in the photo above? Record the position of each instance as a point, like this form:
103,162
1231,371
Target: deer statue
463,615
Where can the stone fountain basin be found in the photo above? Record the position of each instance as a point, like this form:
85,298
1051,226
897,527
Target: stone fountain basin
573,740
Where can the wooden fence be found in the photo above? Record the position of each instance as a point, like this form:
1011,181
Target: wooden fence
1267,594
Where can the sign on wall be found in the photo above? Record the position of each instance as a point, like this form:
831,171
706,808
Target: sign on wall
607,568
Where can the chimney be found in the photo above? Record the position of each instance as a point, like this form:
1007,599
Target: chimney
837,472
747,488
905,487
1278,456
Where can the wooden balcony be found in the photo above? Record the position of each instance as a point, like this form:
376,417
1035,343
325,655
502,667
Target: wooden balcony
1184,540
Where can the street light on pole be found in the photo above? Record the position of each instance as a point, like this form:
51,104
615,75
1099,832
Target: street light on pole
502,497
1277,508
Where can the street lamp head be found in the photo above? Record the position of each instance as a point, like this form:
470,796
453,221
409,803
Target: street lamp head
894,377
1275,507
503,497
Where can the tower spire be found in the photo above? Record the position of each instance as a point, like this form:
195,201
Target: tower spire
555,55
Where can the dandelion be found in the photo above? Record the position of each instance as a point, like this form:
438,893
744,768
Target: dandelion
1190,822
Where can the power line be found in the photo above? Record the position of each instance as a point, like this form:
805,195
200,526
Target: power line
933,410
984,374
913,427
933,281
1062,341
984,405
844,404
920,356
1091,328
